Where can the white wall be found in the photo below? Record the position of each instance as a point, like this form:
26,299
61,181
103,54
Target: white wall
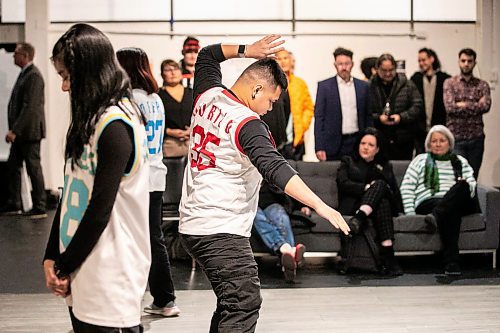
313,54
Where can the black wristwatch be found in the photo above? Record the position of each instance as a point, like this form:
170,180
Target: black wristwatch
242,50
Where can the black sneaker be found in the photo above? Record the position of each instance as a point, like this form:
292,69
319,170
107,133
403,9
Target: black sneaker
36,214
355,225
452,269
9,210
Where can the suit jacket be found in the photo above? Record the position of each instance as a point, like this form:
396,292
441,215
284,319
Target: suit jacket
328,114
353,175
438,110
26,114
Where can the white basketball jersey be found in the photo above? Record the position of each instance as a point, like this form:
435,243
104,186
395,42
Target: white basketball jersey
152,109
221,185
107,289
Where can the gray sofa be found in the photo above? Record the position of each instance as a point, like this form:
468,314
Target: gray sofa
479,232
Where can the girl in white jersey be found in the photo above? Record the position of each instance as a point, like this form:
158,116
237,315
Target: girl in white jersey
98,253
136,63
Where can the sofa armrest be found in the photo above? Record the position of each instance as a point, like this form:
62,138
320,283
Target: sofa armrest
489,201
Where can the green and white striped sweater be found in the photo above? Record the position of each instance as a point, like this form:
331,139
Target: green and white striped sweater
413,190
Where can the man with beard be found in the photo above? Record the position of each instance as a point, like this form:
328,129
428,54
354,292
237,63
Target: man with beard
466,99
341,110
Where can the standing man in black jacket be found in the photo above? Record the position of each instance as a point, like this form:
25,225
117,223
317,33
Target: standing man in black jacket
429,81
396,106
26,117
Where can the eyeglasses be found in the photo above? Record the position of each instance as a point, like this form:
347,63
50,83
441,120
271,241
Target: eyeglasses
390,70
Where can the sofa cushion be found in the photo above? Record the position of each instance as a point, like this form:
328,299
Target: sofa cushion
416,223
402,224
399,169
322,178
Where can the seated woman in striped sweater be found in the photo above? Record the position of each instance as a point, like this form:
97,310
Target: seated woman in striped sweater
442,185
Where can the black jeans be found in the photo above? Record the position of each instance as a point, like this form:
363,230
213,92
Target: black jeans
160,281
30,153
378,197
472,150
228,262
81,327
448,211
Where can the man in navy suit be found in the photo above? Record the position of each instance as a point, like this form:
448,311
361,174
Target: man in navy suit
341,110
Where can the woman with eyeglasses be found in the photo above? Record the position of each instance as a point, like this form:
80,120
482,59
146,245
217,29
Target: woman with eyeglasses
178,102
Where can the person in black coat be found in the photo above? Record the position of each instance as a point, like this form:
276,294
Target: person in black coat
429,82
26,118
396,105
367,188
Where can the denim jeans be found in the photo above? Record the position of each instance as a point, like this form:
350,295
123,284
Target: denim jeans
227,261
273,226
160,281
472,150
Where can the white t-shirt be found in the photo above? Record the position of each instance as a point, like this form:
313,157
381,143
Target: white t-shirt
348,104
152,109
107,289
221,185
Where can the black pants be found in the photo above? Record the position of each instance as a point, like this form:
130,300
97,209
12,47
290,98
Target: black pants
401,150
160,281
448,211
228,262
81,327
30,153
347,147
378,197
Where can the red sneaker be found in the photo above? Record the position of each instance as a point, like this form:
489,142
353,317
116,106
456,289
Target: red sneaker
300,249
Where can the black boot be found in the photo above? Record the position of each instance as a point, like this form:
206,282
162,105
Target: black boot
356,222
389,261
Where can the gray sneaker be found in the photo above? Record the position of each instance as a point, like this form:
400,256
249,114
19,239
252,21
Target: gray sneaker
170,310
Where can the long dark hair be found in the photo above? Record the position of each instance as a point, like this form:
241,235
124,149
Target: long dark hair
96,79
136,63
381,156
436,65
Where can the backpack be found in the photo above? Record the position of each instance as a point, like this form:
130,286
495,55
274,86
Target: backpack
360,252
